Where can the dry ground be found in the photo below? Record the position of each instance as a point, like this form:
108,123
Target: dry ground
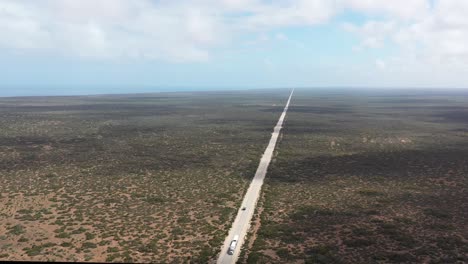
368,177
127,178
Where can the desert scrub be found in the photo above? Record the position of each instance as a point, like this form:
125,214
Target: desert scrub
17,230
123,166
387,175
89,236
87,245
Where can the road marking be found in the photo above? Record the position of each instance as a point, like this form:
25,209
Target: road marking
241,224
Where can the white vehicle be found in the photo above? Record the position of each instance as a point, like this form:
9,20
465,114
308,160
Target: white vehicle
233,245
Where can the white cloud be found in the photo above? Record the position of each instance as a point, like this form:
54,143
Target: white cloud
293,13
281,37
178,30
434,40
428,33
443,34
404,9
374,34
380,64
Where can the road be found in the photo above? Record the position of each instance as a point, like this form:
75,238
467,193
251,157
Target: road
241,224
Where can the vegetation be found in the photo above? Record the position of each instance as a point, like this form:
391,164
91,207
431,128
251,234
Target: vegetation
368,177
358,177
142,178
17,230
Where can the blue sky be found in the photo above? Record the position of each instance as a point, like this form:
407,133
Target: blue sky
119,46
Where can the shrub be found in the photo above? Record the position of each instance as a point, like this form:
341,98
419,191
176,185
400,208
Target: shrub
23,239
89,236
88,245
17,230
63,235
79,231
358,242
112,249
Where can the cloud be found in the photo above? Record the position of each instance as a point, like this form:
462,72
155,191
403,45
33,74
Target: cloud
426,32
178,30
374,34
403,9
442,34
294,13
281,37
380,64
103,29
434,38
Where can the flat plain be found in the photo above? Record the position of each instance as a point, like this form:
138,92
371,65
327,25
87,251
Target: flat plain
359,176
134,178
367,177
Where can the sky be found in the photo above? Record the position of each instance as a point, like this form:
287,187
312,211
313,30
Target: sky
125,46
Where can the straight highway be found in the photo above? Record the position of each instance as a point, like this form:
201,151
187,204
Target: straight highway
241,224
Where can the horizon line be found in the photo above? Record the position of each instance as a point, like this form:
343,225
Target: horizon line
181,89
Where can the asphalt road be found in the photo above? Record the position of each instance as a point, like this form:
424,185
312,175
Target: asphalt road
241,224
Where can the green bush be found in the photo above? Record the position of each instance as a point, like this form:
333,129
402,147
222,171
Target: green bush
23,239
89,236
17,230
63,235
88,245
